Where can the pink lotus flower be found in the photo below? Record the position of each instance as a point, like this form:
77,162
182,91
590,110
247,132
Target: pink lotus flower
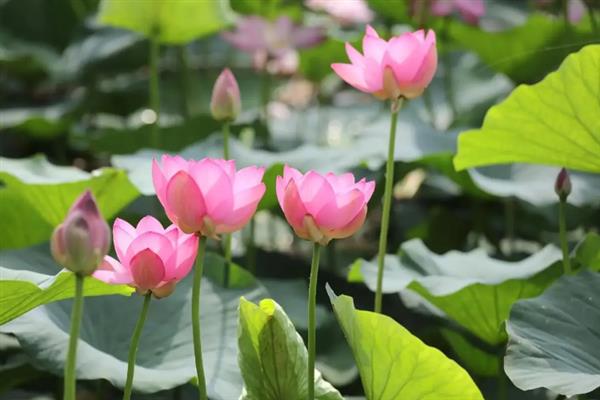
83,239
273,44
207,196
225,103
346,12
323,207
401,67
151,258
470,10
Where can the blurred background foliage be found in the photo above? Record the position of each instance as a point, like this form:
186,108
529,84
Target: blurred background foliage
75,113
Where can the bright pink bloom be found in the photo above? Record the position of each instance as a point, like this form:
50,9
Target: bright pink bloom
323,207
225,103
207,196
273,44
151,258
401,67
83,239
470,10
346,12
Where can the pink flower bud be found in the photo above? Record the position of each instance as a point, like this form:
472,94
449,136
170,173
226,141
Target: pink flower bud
562,186
208,196
225,103
323,207
83,239
401,67
151,258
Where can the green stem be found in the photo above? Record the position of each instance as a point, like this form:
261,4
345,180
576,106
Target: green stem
202,395
227,255
76,314
312,330
184,78
590,10
565,10
133,346
509,214
265,96
226,130
502,388
251,248
387,202
155,89
562,227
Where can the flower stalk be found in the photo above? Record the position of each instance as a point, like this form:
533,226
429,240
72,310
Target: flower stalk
387,201
76,314
137,332
202,394
154,89
312,331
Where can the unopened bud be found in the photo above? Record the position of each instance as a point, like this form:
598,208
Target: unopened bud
80,243
225,103
562,186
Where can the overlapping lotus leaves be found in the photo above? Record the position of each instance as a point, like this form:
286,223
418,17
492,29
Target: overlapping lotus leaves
554,339
471,288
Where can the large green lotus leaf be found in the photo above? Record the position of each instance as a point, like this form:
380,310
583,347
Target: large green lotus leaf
535,183
587,252
524,57
273,357
41,122
471,288
554,341
170,21
42,193
165,356
552,122
23,290
394,364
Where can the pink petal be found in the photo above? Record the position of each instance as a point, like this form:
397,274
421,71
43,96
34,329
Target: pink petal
405,56
186,203
576,9
371,32
147,269
245,206
340,183
441,8
157,242
282,181
172,165
352,74
249,36
111,271
216,187
304,37
355,57
374,48
160,183
182,260
373,75
123,235
351,228
315,191
149,224
292,206
247,178
341,210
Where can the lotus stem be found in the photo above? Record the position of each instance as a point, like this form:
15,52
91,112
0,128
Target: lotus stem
202,394
137,332
76,314
155,89
562,230
312,330
387,202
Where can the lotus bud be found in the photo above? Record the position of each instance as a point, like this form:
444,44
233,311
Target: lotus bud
80,243
225,103
562,186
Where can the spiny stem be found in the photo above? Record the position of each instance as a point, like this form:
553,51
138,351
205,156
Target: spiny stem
562,230
202,395
133,346
76,314
387,203
312,331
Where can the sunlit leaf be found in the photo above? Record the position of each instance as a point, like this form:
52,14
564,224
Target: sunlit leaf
553,122
394,364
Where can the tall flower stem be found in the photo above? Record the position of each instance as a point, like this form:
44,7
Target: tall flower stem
387,202
154,89
312,331
562,230
226,238
184,79
76,314
133,346
202,395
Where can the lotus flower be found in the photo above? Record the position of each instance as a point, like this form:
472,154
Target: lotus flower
151,258
225,103
273,44
83,239
323,207
346,12
470,10
401,67
207,196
